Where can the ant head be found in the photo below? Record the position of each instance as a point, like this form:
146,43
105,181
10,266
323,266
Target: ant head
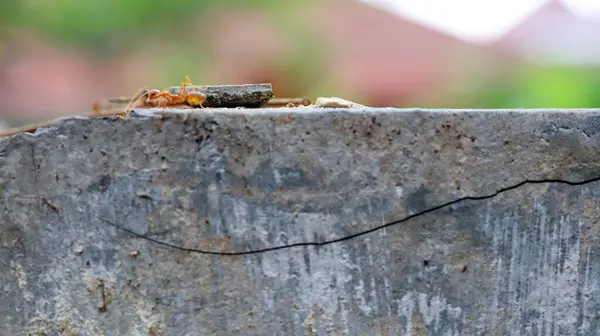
152,94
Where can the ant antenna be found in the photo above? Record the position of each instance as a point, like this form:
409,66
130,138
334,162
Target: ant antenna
136,96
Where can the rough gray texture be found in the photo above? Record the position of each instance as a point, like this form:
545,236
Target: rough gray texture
249,95
525,262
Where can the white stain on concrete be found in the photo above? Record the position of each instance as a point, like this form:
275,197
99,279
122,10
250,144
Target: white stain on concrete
430,309
399,192
277,176
534,276
19,273
536,273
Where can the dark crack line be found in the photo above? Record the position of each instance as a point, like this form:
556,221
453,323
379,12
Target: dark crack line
34,165
35,170
362,233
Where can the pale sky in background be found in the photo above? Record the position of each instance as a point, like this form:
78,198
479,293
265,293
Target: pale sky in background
476,20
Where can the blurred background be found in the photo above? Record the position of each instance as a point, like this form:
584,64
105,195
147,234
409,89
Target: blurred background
57,57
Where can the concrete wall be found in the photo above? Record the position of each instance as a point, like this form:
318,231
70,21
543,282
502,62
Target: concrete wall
101,220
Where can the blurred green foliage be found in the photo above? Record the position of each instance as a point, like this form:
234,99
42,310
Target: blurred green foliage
542,87
106,28
105,25
561,87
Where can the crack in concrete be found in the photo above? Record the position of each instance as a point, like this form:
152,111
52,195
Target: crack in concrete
352,236
35,170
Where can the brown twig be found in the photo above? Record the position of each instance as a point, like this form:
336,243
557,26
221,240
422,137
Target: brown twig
119,100
283,102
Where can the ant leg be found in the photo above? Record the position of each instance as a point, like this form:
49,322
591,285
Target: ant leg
183,92
183,89
136,96
187,81
166,104
163,114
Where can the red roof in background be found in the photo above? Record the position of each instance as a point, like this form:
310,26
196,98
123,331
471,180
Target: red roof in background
38,79
554,34
375,50
41,80
369,52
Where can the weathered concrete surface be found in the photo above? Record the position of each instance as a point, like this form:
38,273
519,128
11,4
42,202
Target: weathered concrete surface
525,262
